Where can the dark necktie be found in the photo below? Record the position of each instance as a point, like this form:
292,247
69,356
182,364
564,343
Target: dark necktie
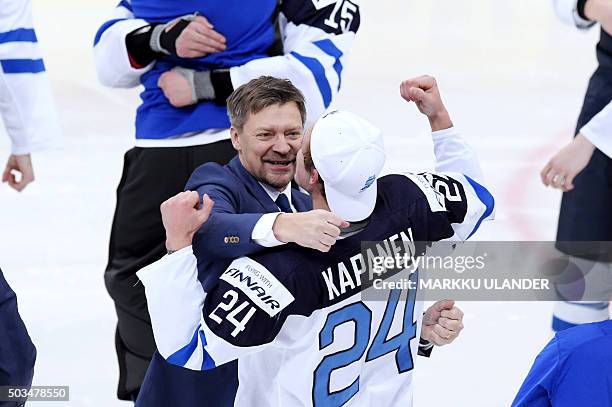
283,203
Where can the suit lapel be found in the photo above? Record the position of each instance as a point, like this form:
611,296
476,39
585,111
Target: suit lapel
252,185
301,201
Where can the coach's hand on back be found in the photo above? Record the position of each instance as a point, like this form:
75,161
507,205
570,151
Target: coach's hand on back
182,216
423,91
317,229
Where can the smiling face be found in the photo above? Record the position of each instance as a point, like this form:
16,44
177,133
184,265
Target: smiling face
268,143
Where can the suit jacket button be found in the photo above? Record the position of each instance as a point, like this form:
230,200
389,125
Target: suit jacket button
226,240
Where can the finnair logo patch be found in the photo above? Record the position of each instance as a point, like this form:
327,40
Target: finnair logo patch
368,183
259,284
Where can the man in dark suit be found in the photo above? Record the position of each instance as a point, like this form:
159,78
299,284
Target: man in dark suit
255,207
17,353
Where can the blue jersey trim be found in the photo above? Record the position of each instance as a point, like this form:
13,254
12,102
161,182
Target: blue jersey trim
126,4
330,49
181,356
318,72
11,66
105,27
18,35
561,325
485,197
207,362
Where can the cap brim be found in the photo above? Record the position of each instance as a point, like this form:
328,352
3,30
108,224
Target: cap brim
352,208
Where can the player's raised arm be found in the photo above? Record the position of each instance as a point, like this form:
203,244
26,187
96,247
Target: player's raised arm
174,294
457,188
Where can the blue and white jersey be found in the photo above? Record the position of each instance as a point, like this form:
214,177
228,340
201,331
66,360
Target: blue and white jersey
574,369
26,102
297,320
317,35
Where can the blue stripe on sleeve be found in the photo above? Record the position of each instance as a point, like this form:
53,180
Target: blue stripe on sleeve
485,197
319,74
181,356
18,35
105,27
126,4
12,66
207,362
330,49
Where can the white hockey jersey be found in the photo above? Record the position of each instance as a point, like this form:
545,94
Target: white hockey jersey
298,321
26,103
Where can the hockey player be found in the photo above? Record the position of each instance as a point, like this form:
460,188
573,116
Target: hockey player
199,51
574,369
582,170
17,353
27,110
26,103
295,319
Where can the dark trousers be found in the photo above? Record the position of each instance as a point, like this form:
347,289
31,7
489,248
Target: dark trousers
150,176
586,211
17,353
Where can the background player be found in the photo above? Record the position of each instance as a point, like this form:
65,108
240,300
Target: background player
28,114
574,369
26,102
582,169
283,358
142,43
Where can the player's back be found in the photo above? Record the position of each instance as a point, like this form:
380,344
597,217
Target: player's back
334,344
324,339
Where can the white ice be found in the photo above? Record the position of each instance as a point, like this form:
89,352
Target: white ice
512,76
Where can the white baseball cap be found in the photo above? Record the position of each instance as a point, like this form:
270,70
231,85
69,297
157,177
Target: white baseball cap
348,153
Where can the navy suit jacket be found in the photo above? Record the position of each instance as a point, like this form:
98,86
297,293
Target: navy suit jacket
240,201
17,353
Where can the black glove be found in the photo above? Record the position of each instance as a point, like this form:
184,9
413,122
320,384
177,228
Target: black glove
153,41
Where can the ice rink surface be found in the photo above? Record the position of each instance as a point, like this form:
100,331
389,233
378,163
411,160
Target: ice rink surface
512,76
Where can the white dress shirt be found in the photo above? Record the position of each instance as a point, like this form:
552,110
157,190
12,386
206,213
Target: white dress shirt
263,234
599,130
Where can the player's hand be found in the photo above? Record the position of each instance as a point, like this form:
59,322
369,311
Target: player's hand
600,11
199,39
442,323
317,229
176,88
423,91
182,216
18,171
561,170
